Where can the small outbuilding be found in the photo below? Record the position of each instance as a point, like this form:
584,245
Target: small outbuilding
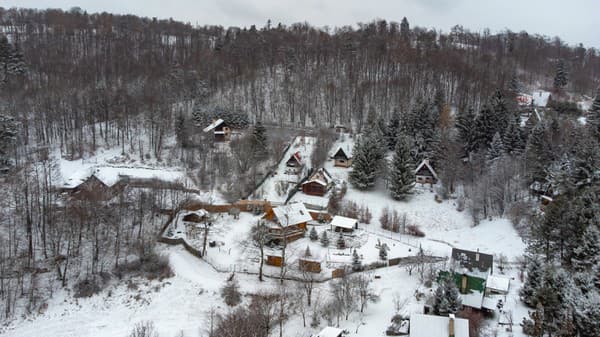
438,326
331,332
295,160
220,130
196,216
425,174
343,156
343,224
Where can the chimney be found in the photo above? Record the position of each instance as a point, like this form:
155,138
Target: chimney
463,284
451,325
477,255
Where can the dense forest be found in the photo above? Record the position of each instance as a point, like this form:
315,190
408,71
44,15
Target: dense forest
73,82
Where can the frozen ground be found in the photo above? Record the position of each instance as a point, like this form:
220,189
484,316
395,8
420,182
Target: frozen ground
277,187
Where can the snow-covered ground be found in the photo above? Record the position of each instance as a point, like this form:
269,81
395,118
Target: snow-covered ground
277,187
182,302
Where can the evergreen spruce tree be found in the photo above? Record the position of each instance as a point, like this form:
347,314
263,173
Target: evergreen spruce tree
356,263
5,53
528,291
440,303
393,130
484,128
368,155
538,154
324,239
496,149
314,236
587,255
402,171
341,243
561,76
514,85
593,119
259,141
465,123
8,137
513,139
452,297
405,30
501,114
307,252
16,62
383,251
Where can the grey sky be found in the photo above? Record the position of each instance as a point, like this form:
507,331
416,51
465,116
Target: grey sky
574,21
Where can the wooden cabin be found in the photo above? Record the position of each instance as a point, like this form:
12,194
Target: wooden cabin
425,174
295,160
311,266
220,130
318,183
343,224
287,222
93,188
343,157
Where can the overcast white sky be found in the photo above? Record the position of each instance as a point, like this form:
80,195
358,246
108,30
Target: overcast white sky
574,21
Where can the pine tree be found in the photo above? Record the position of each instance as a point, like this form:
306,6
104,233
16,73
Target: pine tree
561,77
314,236
513,139
402,171
324,239
393,130
501,114
538,153
356,263
440,304
405,30
593,119
307,252
368,155
528,291
587,255
383,252
484,128
452,297
496,149
465,123
514,85
16,62
341,243
259,141
8,137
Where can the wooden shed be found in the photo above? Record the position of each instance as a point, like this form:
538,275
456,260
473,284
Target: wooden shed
274,260
310,265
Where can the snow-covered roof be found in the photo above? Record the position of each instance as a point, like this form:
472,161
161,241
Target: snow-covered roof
292,214
321,176
473,261
437,326
497,283
425,163
213,125
330,332
491,302
343,222
110,175
345,148
472,299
